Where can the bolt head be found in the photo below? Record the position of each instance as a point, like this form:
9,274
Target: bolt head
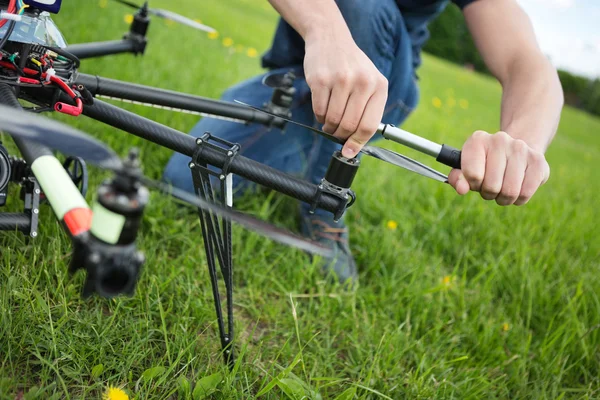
199,141
36,211
229,153
33,234
37,191
192,165
222,177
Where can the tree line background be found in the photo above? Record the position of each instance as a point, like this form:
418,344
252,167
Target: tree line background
450,39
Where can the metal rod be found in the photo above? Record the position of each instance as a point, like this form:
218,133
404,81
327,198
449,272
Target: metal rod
408,139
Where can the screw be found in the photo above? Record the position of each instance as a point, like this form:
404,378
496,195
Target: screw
33,234
36,211
37,191
199,141
192,165
94,258
229,153
221,177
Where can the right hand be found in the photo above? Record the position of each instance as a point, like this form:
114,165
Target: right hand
348,92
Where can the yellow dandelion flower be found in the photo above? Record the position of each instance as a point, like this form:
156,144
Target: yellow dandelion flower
128,18
213,35
252,52
103,3
464,104
505,326
114,393
437,102
447,280
451,102
227,42
392,225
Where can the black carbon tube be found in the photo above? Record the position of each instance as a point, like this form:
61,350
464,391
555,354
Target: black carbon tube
185,144
99,49
15,221
168,98
30,150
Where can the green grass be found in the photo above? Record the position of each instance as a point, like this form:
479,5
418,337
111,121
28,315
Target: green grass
518,315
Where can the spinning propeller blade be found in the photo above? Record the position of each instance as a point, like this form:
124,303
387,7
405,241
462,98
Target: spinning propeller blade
405,162
71,141
377,152
263,228
57,136
170,15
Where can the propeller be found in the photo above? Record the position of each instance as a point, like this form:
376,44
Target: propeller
159,12
73,142
382,154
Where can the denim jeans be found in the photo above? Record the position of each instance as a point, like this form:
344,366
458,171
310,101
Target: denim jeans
383,34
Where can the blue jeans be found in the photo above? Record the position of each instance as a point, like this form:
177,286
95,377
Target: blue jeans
383,34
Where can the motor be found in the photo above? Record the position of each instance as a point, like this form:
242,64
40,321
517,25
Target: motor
108,251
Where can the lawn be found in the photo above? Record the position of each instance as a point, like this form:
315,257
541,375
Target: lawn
459,298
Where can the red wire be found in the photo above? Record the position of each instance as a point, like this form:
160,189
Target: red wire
11,9
57,81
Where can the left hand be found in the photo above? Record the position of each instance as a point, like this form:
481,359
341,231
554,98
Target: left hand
500,168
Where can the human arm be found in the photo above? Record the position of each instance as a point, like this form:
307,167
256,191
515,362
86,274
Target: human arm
348,92
510,166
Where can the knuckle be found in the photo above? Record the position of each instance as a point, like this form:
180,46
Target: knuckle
519,147
364,80
510,193
333,118
349,125
474,177
500,138
479,135
318,79
382,82
344,78
527,194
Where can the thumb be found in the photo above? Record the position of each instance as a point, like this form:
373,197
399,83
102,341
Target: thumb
459,182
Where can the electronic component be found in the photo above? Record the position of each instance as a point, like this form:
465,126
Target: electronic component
52,6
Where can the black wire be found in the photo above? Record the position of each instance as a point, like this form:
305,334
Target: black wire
65,54
9,31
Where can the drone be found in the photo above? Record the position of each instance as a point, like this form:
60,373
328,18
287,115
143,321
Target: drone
37,66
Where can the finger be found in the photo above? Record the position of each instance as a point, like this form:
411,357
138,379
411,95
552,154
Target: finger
513,177
368,126
320,101
536,175
473,159
355,109
458,181
336,107
495,166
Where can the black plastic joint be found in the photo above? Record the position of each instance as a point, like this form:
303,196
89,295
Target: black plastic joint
449,156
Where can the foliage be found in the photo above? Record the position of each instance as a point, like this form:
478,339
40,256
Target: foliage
450,39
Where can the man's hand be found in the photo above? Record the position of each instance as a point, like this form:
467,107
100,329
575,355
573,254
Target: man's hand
501,168
348,92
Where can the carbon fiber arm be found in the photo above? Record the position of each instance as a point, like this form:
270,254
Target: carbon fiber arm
185,144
